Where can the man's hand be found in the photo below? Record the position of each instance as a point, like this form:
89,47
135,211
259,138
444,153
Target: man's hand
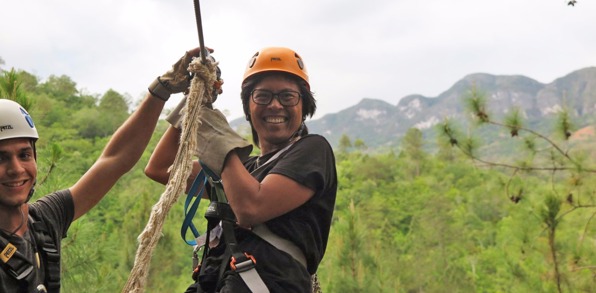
175,80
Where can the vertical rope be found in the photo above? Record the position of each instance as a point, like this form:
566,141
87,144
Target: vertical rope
315,285
200,93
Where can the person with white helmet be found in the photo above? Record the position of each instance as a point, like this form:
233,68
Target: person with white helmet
31,233
270,232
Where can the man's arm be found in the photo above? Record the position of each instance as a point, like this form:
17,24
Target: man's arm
130,140
119,156
163,157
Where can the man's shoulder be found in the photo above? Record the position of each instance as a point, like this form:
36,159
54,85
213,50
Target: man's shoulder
56,200
56,210
315,140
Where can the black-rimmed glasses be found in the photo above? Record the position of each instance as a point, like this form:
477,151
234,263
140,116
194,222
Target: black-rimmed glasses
286,98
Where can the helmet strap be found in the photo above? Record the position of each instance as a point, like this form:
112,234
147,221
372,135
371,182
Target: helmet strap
31,191
297,133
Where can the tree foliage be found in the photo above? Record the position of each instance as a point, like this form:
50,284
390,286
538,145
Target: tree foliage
409,221
554,161
10,88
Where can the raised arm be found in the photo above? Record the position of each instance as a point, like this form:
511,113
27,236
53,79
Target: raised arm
120,154
130,140
163,156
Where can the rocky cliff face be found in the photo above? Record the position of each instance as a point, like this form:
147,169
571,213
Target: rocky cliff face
380,124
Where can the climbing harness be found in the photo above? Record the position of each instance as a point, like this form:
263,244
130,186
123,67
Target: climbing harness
219,212
19,267
221,220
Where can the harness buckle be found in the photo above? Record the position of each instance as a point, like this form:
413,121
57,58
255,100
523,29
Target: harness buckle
244,265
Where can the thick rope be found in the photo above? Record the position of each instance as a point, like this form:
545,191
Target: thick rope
200,93
315,285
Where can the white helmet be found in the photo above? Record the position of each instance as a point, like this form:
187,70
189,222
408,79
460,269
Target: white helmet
15,122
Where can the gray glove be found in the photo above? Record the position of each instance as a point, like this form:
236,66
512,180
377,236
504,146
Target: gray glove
216,139
175,80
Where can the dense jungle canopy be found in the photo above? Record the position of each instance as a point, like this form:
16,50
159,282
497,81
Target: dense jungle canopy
408,220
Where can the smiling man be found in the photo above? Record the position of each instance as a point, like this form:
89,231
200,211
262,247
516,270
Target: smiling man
278,205
31,233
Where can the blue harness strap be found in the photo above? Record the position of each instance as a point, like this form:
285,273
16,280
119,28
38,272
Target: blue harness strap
191,204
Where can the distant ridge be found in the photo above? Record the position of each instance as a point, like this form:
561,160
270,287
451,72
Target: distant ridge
382,125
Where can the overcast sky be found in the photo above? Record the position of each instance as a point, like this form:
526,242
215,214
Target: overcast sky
380,49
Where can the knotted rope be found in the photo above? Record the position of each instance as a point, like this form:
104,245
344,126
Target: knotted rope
201,88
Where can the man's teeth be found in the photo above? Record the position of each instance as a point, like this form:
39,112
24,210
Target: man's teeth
275,119
15,184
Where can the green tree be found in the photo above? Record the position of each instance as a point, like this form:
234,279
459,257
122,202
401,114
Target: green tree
412,145
567,173
360,145
61,88
64,89
104,119
29,82
114,103
10,88
345,143
114,109
445,151
459,226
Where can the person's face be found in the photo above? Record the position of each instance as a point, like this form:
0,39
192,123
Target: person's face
18,171
274,122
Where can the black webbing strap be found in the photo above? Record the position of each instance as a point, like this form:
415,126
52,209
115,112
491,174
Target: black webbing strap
13,262
50,254
241,262
19,267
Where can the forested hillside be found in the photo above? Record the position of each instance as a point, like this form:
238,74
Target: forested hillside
406,221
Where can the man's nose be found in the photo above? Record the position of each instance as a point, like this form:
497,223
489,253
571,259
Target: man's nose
14,167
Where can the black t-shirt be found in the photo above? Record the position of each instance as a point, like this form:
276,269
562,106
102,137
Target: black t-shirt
310,162
56,210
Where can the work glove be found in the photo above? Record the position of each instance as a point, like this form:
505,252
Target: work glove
177,115
175,80
216,140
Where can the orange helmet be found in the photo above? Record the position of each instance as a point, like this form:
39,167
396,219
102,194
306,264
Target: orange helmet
276,59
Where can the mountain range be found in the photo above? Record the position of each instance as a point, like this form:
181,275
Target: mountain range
381,125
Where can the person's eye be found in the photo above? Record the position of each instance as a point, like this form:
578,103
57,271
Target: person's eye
287,95
263,96
26,155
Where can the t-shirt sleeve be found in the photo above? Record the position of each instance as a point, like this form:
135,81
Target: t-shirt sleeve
311,163
56,208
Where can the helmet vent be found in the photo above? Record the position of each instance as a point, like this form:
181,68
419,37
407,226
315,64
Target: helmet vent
253,60
299,60
28,118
